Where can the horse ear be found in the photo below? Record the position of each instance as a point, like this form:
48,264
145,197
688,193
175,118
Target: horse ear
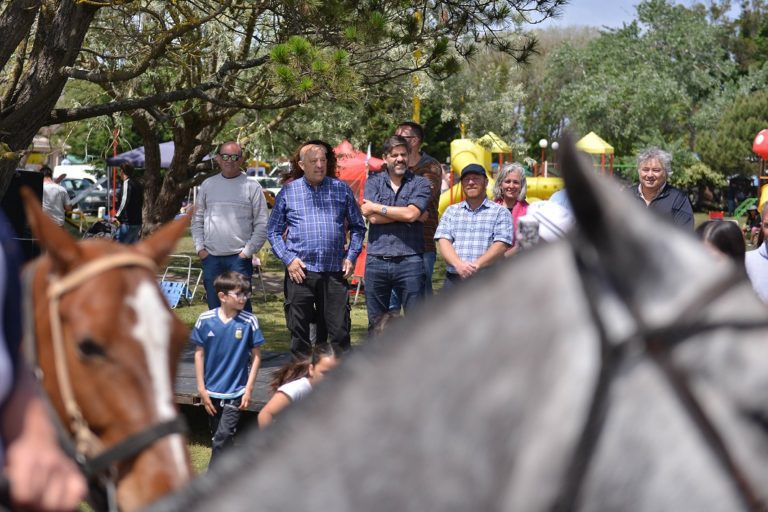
587,198
633,246
60,246
162,242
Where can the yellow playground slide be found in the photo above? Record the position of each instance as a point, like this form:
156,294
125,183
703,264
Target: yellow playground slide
466,151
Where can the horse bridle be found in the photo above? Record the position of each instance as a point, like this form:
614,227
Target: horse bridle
658,344
87,450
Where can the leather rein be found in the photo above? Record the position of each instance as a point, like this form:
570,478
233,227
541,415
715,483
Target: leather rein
94,460
657,344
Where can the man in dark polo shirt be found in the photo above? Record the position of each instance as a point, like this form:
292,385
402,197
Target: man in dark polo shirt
653,167
394,202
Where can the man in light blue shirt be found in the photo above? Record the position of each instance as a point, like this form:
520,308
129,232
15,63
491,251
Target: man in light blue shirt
474,233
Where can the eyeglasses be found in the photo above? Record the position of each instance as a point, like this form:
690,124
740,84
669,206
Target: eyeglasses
241,296
227,157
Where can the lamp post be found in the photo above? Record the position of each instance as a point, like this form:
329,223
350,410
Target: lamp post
555,147
543,145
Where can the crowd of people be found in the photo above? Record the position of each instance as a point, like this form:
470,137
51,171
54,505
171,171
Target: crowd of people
318,229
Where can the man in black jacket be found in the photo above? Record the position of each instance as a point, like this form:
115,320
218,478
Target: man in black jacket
653,166
131,203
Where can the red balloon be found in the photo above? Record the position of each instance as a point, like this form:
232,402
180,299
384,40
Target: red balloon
760,144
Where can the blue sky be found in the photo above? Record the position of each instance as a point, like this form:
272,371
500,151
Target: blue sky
598,13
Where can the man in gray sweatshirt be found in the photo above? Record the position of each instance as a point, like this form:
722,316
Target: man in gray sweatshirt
230,221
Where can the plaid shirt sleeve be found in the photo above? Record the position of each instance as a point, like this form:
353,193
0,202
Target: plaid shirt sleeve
356,227
445,227
502,229
276,227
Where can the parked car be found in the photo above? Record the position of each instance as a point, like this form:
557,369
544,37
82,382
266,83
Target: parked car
91,196
270,186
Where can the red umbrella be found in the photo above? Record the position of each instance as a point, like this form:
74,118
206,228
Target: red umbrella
760,144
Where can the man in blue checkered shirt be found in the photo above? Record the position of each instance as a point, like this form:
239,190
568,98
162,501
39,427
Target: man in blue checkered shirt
308,231
474,233
396,202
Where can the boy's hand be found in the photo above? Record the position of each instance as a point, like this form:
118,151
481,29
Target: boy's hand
206,399
245,400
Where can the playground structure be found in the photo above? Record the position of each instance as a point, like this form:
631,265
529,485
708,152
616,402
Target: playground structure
593,144
467,151
760,148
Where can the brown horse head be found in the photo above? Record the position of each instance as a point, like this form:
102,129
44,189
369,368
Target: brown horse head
120,345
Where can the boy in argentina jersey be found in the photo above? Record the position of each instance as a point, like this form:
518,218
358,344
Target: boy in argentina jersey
226,339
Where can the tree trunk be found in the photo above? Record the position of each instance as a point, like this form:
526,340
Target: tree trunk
59,36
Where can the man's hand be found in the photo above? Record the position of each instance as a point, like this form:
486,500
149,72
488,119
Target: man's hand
348,268
243,256
465,269
296,271
41,476
369,208
202,253
207,403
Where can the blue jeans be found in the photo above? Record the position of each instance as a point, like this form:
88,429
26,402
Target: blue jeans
402,274
429,269
213,266
128,233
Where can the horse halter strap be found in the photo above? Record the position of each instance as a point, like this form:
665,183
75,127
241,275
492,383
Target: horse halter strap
86,441
658,344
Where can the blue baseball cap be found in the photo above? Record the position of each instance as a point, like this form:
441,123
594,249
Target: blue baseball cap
472,169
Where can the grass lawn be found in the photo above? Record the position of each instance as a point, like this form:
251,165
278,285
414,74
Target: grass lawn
272,322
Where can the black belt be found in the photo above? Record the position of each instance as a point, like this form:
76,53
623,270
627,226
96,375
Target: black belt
393,258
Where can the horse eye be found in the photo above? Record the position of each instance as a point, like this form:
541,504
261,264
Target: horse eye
90,348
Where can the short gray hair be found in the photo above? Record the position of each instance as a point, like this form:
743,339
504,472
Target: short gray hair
506,169
664,158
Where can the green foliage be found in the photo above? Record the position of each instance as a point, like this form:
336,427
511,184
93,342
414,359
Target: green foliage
728,144
696,175
651,75
749,35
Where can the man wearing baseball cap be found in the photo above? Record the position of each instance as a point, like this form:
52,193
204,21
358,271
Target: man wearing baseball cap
474,233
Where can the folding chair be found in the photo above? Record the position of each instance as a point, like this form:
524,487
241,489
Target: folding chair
172,290
258,273
359,274
182,273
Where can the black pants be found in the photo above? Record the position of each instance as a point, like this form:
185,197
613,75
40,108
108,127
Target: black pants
223,425
323,298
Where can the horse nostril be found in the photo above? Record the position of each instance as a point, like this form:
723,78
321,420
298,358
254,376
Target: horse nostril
90,348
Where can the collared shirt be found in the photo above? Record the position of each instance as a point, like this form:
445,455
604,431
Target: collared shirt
672,203
316,219
397,238
471,232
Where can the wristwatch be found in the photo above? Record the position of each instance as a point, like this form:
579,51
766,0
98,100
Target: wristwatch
384,210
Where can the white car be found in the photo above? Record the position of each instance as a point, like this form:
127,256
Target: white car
267,183
270,186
